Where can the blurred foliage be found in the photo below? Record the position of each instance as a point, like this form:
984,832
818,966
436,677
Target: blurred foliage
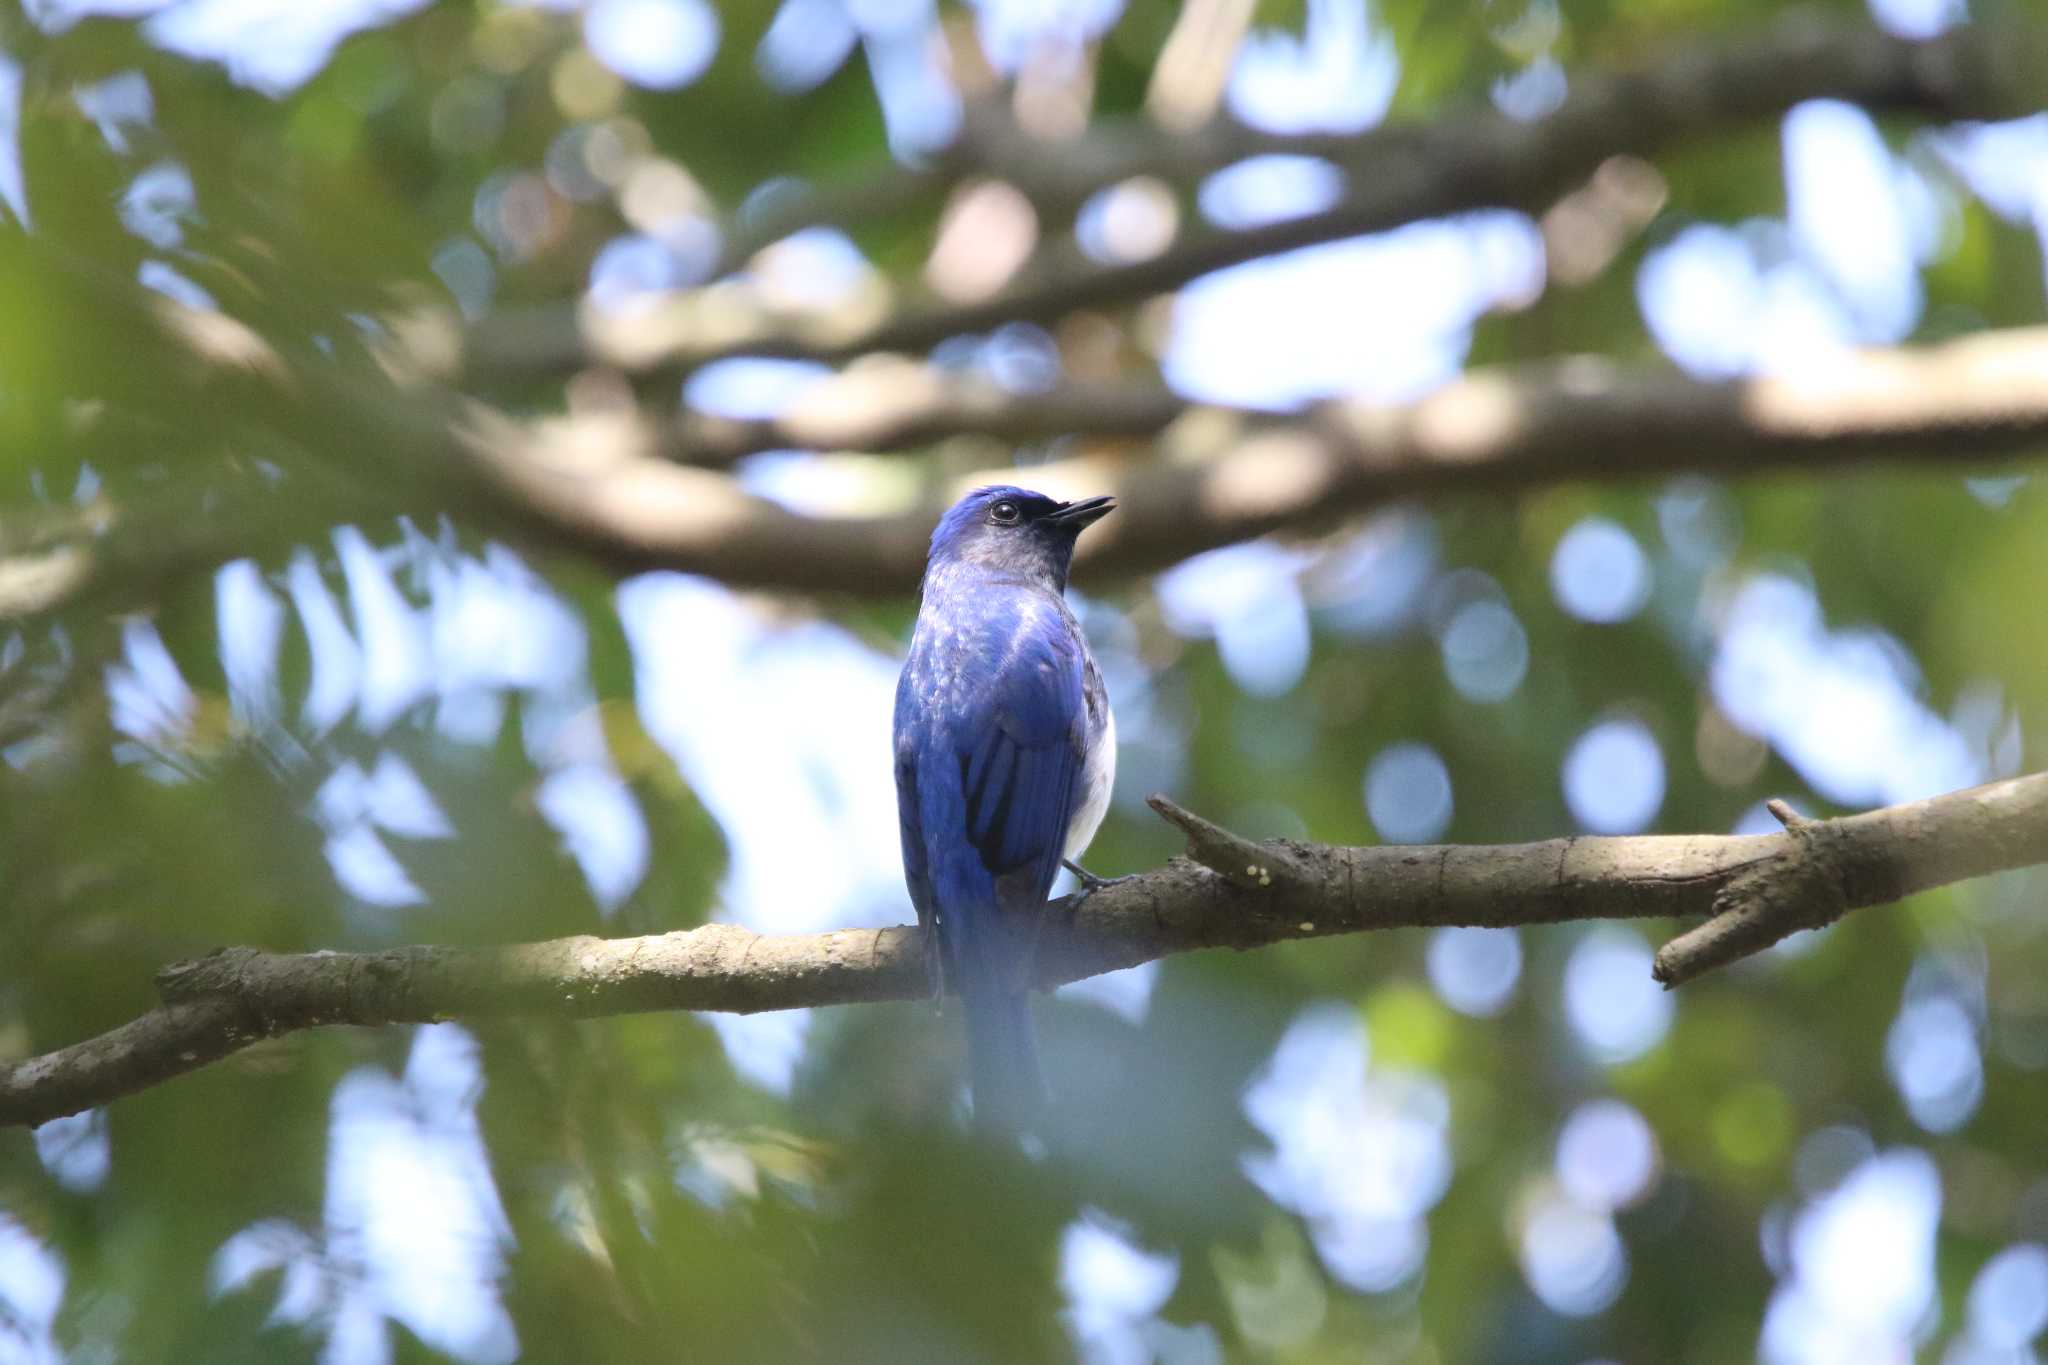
657,1205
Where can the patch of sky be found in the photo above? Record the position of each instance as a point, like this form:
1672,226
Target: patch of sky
273,46
1475,969
31,1292
413,1230
175,286
657,44
2007,1308
1841,270
1919,18
1614,777
157,204
1859,1280
601,826
1373,582
631,272
1485,650
1599,573
804,44
249,623
54,16
1114,1290
1606,1156
1536,91
1337,74
1572,1257
1385,317
1248,598
1014,32
1269,189
905,52
1408,793
116,105
13,190
1841,706
353,806
1933,1051
2005,164
1614,1005
782,731
146,693
1855,215
749,389
487,626
77,1151
1360,1154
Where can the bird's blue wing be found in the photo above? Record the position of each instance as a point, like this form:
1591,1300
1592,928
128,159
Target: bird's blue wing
1019,752
989,732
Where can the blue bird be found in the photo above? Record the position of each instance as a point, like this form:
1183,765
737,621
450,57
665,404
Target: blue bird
1005,753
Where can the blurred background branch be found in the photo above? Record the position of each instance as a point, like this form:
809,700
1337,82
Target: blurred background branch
1218,476
606,482
1395,175
1988,383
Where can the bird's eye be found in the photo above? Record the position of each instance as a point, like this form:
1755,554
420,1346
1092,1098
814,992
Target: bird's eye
1003,513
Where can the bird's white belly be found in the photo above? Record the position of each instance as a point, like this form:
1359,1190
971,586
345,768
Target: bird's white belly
1098,775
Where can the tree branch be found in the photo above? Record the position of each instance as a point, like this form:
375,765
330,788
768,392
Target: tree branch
30,584
1233,475
599,482
1397,174
888,404
1229,893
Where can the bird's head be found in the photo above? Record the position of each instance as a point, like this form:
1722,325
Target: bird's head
1014,531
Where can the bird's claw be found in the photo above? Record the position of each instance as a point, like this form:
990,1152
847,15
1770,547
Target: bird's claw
1090,883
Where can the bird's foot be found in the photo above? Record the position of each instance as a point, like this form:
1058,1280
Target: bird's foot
1090,883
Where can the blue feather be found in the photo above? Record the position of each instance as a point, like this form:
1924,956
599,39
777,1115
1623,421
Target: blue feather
992,728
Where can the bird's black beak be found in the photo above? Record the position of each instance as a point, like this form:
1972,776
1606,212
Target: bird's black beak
1082,513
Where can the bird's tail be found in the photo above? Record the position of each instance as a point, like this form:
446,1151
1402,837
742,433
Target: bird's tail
1002,1047
1009,1088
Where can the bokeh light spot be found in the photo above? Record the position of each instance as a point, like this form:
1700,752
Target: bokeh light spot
1606,1156
1862,1267
1269,189
1475,969
1408,793
660,44
2008,1303
1573,1258
1361,1156
1249,597
1615,1006
1112,1286
1614,778
76,1150
1599,572
1932,1055
1486,651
